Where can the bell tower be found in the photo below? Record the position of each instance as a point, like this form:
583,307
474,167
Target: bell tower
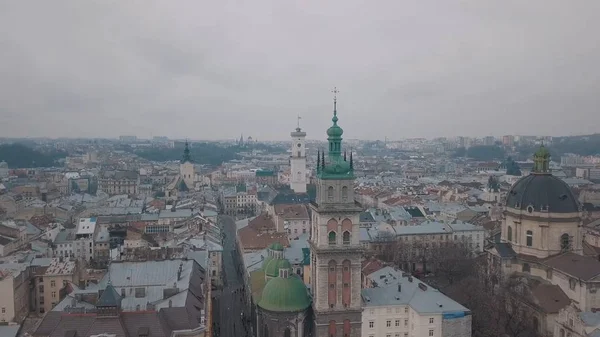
298,160
336,253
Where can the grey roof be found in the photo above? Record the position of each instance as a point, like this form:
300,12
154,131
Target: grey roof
65,236
541,191
421,298
590,318
178,213
9,330
505,250
154,277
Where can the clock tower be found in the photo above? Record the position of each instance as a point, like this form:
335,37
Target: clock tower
298,160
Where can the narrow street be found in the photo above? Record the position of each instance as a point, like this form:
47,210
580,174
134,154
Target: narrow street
229,307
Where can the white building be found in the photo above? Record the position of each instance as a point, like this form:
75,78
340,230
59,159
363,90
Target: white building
298,161
399,305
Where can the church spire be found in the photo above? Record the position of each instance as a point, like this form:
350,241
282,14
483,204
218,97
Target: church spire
351,161
186,153
335,133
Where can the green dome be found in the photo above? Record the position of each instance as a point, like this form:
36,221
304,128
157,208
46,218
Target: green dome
266,262
278,247
335,131
285,295
274,265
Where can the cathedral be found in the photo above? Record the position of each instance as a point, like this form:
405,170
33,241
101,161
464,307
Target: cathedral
541,244
185,180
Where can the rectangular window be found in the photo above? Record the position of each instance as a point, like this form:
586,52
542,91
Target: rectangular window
430,332
53,283
431,320
397,323
3,310
388,324
405,322
54,294
406,310
371,324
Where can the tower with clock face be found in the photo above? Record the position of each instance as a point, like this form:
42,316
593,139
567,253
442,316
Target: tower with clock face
298,160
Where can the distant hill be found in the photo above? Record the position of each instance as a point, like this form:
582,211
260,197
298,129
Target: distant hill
587,145
22,156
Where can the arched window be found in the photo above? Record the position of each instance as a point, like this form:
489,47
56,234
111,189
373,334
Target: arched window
287,333
529,238
346,238
332,281
509,234
526,268
536,325
332,238
345,193
346,328
332,329
565,242
330,193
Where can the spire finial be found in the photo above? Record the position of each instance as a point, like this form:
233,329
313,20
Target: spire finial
323,159
351,161
335,91
298,122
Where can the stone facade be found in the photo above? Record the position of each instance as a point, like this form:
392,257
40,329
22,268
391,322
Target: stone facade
457,327
287,324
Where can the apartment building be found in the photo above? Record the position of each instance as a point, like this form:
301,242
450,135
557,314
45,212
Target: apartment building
58,275
14,287
402,306
119,182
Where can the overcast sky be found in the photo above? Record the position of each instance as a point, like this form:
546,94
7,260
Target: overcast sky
216,69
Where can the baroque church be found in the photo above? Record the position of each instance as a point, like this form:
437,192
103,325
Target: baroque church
542,243
332,306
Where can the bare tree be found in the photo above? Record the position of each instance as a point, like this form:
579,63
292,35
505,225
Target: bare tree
452,260
499,308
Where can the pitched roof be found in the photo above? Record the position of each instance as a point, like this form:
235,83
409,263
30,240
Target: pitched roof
582,267
550,297
109,298
297,211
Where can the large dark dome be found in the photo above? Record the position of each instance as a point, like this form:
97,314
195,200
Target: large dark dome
542,191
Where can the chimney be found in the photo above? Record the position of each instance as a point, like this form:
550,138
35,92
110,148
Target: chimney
399,287
410,279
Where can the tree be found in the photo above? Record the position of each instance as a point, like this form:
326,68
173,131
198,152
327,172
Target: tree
452,261
512,168
499,306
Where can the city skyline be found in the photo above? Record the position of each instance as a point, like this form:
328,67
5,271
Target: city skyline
214,71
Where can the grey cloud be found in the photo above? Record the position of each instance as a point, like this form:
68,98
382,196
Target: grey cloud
212,70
